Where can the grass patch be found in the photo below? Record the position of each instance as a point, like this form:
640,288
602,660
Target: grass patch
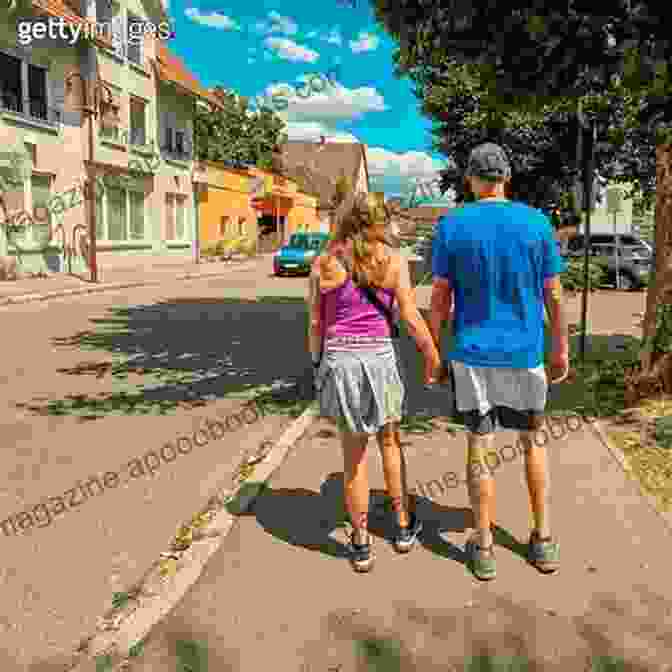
647,453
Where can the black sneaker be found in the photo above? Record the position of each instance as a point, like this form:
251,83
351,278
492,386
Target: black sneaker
405,538
361,555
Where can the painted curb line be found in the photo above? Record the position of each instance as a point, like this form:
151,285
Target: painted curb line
622,461
108,287
156,600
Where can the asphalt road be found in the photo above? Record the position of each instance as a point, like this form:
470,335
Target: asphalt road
94,385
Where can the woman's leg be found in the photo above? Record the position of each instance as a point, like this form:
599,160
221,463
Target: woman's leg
394,468
356,483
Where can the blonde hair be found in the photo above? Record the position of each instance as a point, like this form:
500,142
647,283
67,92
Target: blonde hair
363,219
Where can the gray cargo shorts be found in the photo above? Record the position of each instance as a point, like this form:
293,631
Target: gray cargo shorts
488,397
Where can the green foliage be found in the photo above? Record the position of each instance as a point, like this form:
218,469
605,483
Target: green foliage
526,98
235,135
120,600
103,663
192,656
662,342
573,278
664,431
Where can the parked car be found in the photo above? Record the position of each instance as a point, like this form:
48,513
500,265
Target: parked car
633,262
298,255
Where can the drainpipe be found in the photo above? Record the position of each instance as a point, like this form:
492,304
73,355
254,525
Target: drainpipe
197,233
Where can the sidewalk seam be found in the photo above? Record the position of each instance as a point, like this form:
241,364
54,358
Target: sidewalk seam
618,456
105,287
152,608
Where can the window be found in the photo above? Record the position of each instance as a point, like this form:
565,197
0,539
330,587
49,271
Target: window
176,224
138,122
137,222
224,225
40,191
179,142
180,228
23,90
134,37
11,87
116,214
169,140
120,215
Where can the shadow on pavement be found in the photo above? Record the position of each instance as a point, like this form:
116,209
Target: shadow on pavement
306,518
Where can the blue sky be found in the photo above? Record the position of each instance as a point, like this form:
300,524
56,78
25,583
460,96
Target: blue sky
255,46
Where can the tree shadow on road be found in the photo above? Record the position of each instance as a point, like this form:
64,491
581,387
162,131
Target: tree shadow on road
182,353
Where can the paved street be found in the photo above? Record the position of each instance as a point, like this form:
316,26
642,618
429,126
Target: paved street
85,381
66,418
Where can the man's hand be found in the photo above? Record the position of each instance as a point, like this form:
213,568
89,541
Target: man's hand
559,366
433,370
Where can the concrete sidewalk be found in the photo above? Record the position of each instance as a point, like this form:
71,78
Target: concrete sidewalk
114,277
280,593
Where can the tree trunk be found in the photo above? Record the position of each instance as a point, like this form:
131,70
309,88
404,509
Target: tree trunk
660,286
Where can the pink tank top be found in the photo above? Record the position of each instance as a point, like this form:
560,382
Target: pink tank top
346,312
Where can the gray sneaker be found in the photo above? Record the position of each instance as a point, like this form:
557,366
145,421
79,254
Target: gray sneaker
544,554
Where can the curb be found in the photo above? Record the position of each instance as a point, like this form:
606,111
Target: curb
622,461
156,599
108,287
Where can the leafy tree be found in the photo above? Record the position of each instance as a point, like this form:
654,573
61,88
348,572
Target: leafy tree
234,135
553,53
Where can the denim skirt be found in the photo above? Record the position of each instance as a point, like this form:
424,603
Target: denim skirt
359,387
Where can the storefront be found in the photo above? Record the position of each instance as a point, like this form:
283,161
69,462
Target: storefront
282,210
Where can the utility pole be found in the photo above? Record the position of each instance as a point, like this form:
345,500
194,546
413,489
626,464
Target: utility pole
588,183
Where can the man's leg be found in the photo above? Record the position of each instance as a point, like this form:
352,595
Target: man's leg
481,486
538,483
543,550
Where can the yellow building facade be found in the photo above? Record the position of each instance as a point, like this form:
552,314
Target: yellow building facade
227,206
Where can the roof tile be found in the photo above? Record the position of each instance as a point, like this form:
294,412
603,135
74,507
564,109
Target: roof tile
170,68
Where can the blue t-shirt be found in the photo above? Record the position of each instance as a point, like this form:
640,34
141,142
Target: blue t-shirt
496,256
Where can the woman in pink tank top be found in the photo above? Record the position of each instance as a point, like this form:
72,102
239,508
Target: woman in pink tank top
359,287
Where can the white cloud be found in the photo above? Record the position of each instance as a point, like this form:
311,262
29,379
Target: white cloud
291,51
313,130
364,42
277,24
335,103
397,174
213,19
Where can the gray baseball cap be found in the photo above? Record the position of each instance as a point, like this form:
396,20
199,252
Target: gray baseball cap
488,161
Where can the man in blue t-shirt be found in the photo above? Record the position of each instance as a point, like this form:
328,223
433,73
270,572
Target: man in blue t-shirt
495,265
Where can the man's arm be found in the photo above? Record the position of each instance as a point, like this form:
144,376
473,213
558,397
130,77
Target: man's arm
441,308
556,315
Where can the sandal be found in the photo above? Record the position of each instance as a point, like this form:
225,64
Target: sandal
361,555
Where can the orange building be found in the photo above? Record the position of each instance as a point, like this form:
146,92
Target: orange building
258,204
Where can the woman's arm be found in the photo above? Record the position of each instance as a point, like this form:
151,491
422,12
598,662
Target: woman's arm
314,303
409,313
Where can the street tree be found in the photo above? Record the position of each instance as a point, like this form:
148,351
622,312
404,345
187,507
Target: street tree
233,134
538,54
